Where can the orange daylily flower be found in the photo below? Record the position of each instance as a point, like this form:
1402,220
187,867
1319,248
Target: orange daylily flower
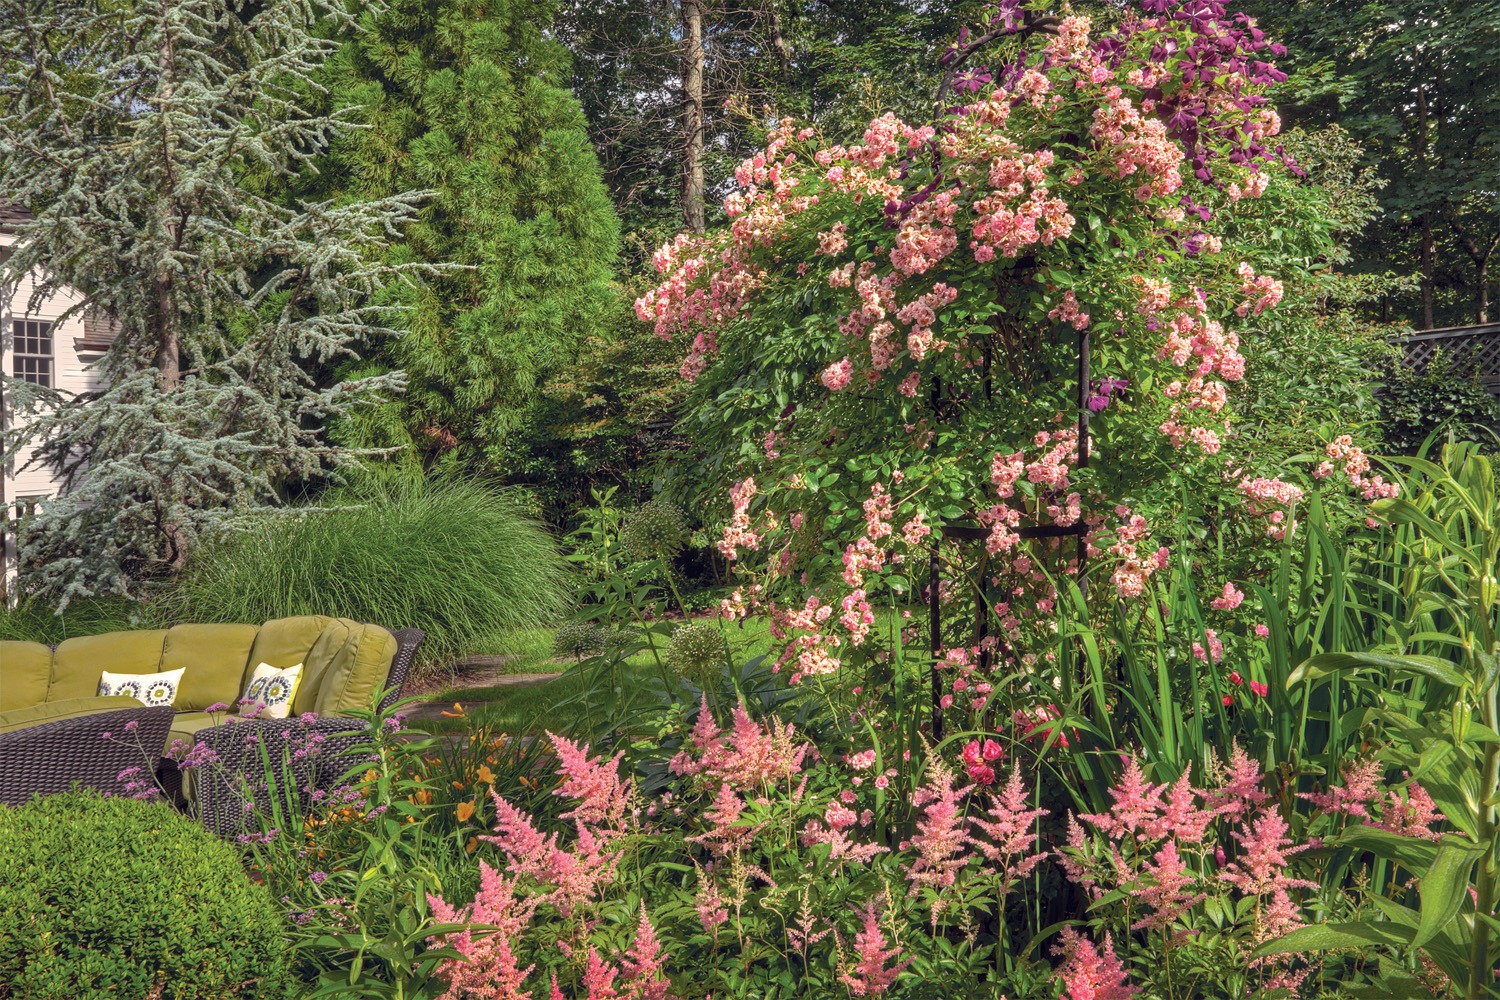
465,810
457,713
486,775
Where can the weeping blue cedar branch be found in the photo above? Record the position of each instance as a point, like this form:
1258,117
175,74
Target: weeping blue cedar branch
144,138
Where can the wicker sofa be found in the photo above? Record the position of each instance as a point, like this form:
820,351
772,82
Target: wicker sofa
52,726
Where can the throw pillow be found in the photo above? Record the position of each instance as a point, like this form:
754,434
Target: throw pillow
151,689
272,690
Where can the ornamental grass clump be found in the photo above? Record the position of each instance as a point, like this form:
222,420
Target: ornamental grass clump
461,561
116,898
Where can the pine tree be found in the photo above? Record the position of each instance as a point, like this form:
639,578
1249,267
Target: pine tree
138,135
469,98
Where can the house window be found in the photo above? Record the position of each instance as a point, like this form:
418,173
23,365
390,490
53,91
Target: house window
33,352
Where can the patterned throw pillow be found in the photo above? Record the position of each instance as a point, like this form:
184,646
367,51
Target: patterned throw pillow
152,689
272,690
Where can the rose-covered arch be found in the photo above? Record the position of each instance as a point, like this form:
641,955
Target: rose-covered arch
883,335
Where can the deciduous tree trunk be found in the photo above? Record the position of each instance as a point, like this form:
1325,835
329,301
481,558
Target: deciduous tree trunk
692,114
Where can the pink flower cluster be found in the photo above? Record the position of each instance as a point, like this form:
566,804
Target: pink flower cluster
1274,500
1261,293
1356,465
1155,847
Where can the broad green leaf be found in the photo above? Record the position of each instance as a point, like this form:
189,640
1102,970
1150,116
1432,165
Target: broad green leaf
1327,937
1326,664
1442,892
1409,852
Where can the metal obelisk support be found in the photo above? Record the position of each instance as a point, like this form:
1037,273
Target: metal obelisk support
968,533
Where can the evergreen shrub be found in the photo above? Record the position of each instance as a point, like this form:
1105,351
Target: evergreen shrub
113,897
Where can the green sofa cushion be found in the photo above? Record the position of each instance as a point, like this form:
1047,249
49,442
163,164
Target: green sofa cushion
212,658
186,725
70,708
25,669
79,661
283,642
353,683
328,655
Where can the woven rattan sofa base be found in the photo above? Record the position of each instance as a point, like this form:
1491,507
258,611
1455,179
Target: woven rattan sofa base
301,759
52,757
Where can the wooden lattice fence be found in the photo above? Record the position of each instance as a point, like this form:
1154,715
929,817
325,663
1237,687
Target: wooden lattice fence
1472,348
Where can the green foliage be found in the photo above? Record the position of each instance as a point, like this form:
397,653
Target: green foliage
606,422
34,621
1442,398
469,99
455,558
140,139
1415,83
121,899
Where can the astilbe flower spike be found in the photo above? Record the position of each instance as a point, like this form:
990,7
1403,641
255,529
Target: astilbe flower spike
1010,836
1087,973
941,835
643,964
488,969
1137,802
871,976
593,783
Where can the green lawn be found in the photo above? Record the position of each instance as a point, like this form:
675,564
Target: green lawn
558,705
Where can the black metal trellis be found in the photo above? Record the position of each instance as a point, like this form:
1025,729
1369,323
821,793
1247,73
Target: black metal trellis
960,532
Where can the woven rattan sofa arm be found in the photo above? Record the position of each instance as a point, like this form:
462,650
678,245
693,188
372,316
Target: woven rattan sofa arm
51,757
408,640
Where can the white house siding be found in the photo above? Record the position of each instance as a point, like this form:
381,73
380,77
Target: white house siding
76,345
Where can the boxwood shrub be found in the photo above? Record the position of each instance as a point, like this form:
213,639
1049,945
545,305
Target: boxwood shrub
112,897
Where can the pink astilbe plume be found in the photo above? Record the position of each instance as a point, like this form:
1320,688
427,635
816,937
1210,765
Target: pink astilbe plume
527,849
1072,861
1087,973
574,876
603,799
599,978
1412,816
1167,889
644,979
488,969
1009,827
1182,817
941,835
725,831
1137,804
1260,870
871,976
841,844
1361,788
1240,793
753,754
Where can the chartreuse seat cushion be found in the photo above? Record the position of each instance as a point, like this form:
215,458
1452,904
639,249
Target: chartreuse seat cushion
213,659
186,725
81,661
25,669
71,708
352,684
282,643
329,652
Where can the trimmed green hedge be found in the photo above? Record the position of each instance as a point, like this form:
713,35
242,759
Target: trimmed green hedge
120,899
